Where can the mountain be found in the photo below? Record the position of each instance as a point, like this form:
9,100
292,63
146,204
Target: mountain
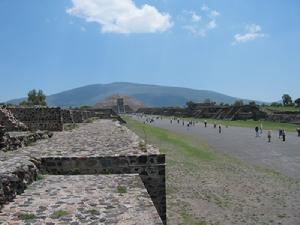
150,95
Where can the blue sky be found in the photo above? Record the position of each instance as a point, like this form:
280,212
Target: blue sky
247,49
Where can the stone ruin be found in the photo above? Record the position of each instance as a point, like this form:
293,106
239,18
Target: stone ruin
99,154
9,121
210,111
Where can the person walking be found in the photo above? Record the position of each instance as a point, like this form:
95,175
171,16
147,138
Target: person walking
298,130
261,129
205,123
283,135
256,131
280,133
220,129
269,136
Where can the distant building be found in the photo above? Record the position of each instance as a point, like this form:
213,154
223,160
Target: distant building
120,106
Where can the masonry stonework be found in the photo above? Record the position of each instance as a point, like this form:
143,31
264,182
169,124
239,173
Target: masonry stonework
39,118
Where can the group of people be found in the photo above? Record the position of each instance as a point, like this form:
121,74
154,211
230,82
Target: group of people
190,123
281,133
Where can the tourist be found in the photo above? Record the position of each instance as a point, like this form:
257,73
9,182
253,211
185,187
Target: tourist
256,131
220,129
298,130
280,133
283,135
269,136
261,129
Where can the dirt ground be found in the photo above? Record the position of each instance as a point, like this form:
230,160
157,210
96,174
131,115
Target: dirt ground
228,192
224,190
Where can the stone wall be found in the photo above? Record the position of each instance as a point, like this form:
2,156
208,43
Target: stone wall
286,118
150,167
9,121
39,118
14,182
13,140
167,111
67,116
214,111
77,116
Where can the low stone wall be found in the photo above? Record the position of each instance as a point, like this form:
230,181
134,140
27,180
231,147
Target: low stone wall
150,167
77,116
167,111
13,140
14,181
39,118
215,112
8,120
67,116
286,118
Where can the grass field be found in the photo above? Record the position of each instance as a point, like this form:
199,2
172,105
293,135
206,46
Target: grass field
267,125
206,187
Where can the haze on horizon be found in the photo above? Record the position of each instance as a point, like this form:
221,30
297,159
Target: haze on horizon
242,49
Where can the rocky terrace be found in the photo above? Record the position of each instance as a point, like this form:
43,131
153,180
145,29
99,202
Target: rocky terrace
91,151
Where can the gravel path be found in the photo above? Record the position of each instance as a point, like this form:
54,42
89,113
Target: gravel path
242,143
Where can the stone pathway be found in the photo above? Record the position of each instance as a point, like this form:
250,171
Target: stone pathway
84,199
100,138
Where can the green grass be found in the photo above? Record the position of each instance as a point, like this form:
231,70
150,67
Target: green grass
26,216
122,189
40,177
90,120
188,219
59,214
70,126
181,142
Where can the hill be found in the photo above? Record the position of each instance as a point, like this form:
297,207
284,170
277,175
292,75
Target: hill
150,95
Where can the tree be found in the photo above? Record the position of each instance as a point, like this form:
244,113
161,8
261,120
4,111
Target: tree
35,98
252,103
287,100
238,103
297,102
85,107
191,105
276,104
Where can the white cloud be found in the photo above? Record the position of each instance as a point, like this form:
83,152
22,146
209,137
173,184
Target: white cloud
211,24
214,14
200,25
121,16
195,17
252,32
204,8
